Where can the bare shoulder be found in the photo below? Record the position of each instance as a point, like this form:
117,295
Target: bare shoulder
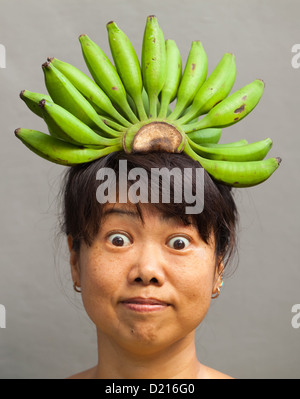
211,374
206,373
84,375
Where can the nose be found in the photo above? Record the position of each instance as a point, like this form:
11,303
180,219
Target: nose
148,268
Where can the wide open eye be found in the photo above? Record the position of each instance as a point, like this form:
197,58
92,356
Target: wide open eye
179,243
119,240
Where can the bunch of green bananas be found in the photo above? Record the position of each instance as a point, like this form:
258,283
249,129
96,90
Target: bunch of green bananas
127,106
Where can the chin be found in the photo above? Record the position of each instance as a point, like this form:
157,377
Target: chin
145,339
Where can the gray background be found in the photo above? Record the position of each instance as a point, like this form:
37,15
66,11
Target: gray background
248,331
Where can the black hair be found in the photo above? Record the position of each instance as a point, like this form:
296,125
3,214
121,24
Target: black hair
81,211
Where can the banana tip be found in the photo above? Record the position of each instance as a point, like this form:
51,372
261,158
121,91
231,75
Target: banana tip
42,103
46,64
17,132
22,93
50,59
279,160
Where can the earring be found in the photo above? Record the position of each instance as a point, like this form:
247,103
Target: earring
76,288
215,295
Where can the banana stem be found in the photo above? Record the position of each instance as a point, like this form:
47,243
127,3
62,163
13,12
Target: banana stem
191,153
114,125
189,128
176,113
129,112
109,149
111,134
112,142
153,106
124,122
189,116
163,107
140,108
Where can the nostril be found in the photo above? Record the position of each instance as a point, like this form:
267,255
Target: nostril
152,281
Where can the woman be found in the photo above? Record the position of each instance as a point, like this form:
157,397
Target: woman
147,271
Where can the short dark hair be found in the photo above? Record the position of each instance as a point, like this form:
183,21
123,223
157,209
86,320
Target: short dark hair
81,211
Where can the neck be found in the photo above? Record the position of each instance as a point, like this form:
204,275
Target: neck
179,360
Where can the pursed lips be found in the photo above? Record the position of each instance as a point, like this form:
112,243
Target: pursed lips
140,304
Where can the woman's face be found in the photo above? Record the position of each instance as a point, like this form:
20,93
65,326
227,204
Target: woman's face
145,286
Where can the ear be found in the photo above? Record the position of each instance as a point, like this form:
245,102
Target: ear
74,262
218,275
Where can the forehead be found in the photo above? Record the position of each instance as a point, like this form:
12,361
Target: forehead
140,213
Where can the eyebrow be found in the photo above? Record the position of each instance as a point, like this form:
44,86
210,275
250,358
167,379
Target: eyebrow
163,217
119,211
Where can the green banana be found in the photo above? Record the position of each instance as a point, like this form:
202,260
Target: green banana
233,144
214,90
89,89
32,100
237,174
105,75
193,77
127,65
231,110
127,107
67,96
153,62
205,136
173,77
249,152
74,130
59,151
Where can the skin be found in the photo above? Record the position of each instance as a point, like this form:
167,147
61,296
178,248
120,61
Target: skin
160,258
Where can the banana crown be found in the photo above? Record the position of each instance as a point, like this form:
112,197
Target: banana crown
127,106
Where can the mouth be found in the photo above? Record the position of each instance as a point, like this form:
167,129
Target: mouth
144,304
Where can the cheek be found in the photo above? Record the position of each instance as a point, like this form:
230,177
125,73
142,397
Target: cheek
100,278
196,300
196,286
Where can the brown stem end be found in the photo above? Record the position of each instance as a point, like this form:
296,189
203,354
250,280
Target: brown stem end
158,136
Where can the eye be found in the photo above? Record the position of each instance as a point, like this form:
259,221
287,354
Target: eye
119,240
179,243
